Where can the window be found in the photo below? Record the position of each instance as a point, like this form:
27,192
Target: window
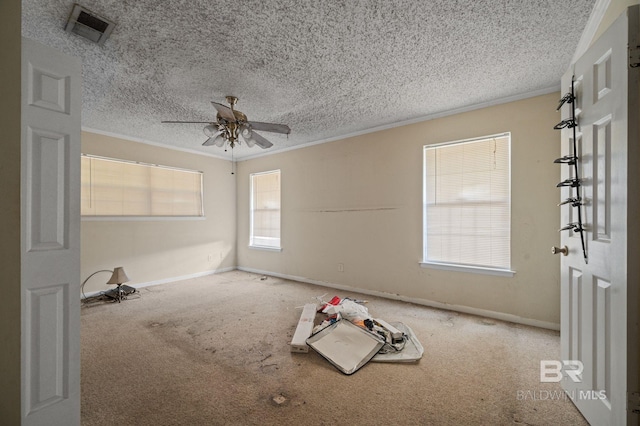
123,188
467,205
265,210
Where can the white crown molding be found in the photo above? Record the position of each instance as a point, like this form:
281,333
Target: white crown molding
148,142
514,98
429,117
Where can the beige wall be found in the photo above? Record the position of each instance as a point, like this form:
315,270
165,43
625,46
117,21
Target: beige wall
358,202
10,43
615,9
157,250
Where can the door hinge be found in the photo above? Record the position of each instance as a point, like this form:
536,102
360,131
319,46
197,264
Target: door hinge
634,57
633,402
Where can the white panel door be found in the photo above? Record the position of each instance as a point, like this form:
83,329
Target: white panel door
599,295
50,228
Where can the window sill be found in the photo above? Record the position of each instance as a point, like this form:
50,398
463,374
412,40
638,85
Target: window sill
266,248
470,269
138,218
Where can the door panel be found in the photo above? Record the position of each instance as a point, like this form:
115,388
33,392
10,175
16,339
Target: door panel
595,316
50,227
47,190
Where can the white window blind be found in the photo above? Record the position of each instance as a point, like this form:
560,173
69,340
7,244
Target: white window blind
122,188
468,203
265,209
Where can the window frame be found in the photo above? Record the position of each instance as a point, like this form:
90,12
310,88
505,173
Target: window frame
252,237
462,267
123,217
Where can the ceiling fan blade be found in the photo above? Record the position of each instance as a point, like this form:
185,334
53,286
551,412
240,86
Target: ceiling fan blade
187,122
270,127
260,141
225,112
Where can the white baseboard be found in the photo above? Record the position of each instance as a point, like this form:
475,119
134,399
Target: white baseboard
458,308
433,304
169,280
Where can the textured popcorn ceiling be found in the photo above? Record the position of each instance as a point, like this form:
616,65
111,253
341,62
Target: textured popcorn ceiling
325,68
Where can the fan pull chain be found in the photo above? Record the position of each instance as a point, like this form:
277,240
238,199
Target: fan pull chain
232,163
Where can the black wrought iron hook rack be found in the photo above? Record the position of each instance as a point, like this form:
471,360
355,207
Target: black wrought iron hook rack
572,160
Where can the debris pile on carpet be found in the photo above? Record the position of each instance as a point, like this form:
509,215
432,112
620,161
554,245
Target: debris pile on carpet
349,337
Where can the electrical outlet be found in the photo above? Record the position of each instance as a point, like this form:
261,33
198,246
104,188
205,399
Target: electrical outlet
340,267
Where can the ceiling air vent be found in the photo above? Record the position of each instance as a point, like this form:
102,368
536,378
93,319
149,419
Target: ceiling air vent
87,24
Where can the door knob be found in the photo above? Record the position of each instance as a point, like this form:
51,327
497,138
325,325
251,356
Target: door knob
564,250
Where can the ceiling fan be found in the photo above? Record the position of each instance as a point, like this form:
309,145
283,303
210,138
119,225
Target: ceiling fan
232,125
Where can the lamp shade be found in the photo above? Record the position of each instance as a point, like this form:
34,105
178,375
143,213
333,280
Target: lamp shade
118,276
247,135
210,130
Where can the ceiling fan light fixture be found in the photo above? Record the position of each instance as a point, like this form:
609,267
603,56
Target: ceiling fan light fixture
219,141
210,130
232,127
248,136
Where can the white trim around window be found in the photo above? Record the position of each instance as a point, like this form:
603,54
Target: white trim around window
264,227
467,205
130,190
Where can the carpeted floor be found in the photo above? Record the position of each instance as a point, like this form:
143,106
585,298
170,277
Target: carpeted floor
215,351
